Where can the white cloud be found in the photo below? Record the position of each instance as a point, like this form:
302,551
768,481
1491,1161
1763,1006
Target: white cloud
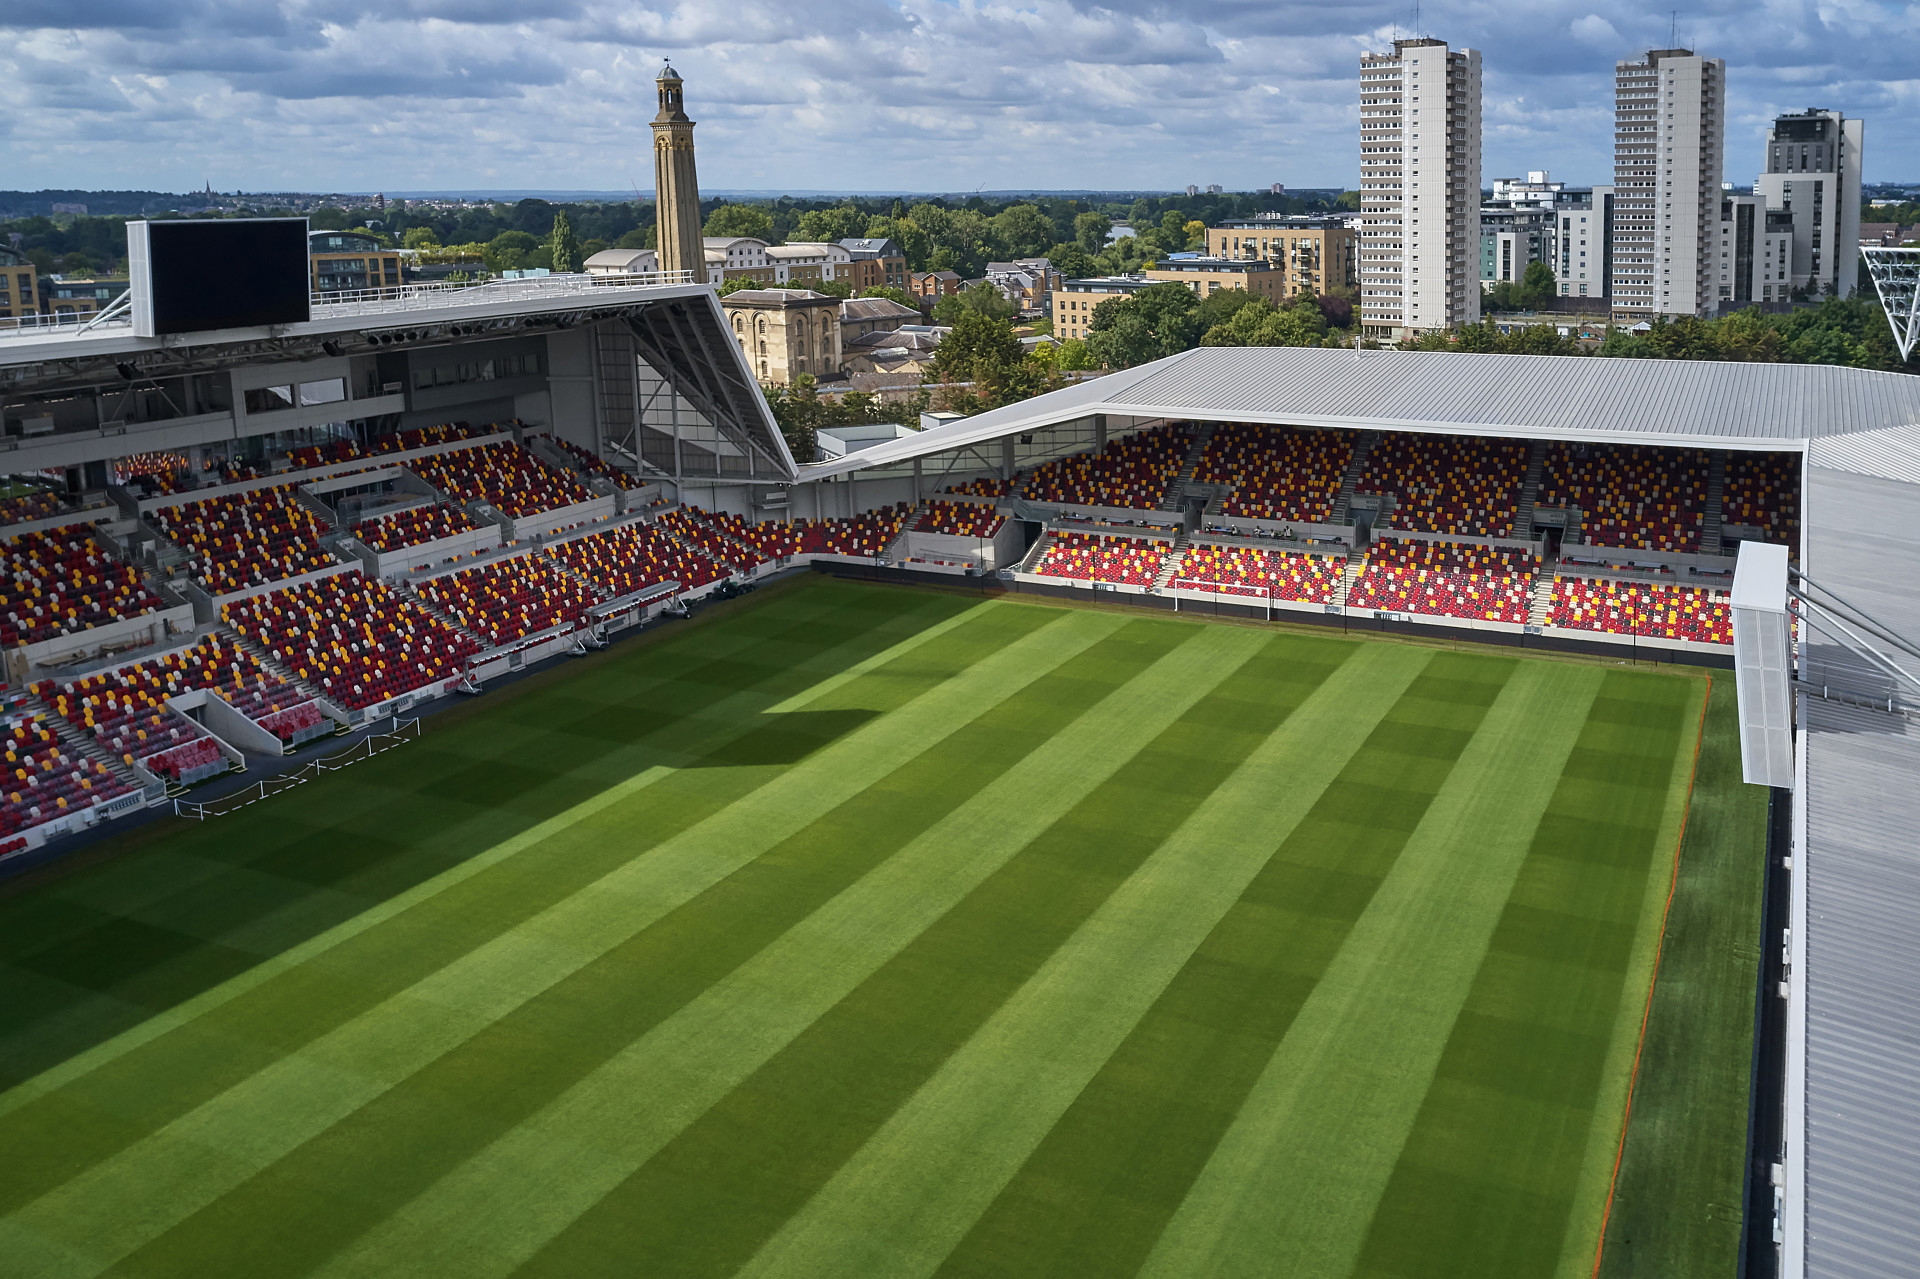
1595,30
884,95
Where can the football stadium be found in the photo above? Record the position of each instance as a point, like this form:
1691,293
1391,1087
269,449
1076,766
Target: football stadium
478,805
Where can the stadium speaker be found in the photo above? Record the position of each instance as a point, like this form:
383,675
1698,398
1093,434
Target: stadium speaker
333,349
126,370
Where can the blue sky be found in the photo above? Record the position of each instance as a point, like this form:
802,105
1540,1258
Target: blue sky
866,94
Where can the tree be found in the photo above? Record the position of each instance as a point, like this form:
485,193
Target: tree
1074,262
513,251
979,346
980,297
419,237
1022,231
641,237
905,232
328,218
830,225
1072,356
730,220
1159,320
735,283
1090,231
562,248
590,247
1196,235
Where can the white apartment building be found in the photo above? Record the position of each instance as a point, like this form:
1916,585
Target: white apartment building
1753,252
1813,173
803,260
1583,249
1419,188
1669,118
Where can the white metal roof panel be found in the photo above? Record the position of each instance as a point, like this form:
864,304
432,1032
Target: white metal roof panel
1705,404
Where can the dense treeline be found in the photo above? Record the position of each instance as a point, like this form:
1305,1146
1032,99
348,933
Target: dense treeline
936,234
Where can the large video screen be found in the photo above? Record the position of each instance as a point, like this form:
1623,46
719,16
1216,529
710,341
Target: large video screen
227,274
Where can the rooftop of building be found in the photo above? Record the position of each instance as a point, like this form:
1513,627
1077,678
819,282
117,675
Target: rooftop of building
1202,262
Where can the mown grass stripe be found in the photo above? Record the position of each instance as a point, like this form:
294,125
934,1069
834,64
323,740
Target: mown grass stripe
1292,1184
706,1202
1491,1171
389,1150
104,1100
121,1203
909,1195
479,1221
72,913
1097,1192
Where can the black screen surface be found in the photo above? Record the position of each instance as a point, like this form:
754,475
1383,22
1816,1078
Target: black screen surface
228,274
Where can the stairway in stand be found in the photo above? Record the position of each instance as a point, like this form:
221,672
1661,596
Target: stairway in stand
1170,569
1031,563
1177,488
1356,563
1540,606
433,610
81,742
1356,467
1710,524
1530,491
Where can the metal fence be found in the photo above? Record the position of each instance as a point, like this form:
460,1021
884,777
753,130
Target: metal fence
402,732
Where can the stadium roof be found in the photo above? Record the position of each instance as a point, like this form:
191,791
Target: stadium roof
1853,1080
1682,402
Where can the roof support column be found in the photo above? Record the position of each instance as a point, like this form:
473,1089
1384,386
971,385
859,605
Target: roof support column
1006,458
1099,430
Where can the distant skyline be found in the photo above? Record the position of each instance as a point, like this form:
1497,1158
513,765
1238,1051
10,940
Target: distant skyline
867,95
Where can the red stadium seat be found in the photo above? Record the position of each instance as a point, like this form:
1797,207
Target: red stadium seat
1447,579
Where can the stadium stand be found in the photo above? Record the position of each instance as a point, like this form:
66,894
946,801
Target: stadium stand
1650,610
353,639
634,558
59,583
771,540
986,487
511,599
1276,474
245,539
21,507
1763,491
1634,496
397,442
1131,472
43,782
960,519
155,473
1096,557
867,534
593,463
1259,572
503,475
414,526
1447,579
128,712
688,523
1448,483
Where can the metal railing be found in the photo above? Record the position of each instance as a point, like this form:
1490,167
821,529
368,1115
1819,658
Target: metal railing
402,732
405,299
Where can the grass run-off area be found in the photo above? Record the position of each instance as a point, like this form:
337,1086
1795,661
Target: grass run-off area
859,930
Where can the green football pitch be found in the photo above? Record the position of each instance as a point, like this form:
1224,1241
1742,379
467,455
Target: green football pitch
863,930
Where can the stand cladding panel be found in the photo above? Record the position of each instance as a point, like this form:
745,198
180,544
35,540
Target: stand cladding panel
1763,664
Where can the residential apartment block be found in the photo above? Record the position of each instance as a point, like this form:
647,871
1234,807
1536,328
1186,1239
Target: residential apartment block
1753,256
1419,188
1074,301
1669,118
1313,254
1256,277
1813,174
1583,246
